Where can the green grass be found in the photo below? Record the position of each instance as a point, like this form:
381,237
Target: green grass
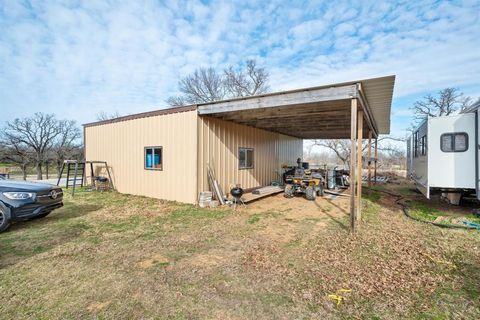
423,212
254,218
371,195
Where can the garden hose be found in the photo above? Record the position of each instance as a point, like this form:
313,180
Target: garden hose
398,200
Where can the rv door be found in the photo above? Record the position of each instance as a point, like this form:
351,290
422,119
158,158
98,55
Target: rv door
477,154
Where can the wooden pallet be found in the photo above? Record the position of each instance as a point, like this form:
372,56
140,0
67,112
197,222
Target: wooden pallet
250,196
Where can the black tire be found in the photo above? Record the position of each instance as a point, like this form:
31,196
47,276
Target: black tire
4,219
310,193
320,191
288,192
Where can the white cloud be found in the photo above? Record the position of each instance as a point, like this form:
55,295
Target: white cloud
81,58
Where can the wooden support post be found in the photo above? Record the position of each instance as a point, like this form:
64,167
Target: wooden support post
68,174
60,175
75,178
353,159
369,161
359,164
92,176
109,176
376,159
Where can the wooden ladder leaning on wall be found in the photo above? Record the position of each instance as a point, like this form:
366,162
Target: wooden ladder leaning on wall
78,168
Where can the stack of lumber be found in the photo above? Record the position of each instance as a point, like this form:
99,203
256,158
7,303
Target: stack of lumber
380,179
214,185
268,189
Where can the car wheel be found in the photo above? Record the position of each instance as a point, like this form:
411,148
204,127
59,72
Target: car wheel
4,220
310,193
288,193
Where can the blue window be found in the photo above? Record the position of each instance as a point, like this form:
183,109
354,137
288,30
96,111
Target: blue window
153,158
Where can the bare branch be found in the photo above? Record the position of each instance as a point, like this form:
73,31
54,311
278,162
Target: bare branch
101,116
207,85
447,102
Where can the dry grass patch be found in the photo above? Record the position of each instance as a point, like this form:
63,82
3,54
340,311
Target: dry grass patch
107,255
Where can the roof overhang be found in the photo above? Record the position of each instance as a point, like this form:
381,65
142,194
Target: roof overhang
312,113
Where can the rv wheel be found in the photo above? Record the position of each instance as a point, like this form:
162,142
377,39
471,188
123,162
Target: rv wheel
288,193
310,193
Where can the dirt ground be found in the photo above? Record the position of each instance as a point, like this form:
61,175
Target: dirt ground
107,255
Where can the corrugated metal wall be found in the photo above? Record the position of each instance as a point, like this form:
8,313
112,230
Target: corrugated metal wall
122,144
218,145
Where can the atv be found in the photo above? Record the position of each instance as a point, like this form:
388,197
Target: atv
303,181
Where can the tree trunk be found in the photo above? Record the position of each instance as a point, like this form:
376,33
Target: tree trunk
38,167
59,168
23,167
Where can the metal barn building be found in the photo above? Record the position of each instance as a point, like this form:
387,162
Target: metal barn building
165,153
182,143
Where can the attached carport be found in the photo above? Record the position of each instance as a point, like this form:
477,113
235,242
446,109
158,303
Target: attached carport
354,110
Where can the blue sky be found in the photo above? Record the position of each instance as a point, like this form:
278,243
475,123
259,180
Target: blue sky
78,58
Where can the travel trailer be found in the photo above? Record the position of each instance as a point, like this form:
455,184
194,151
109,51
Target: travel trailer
443,155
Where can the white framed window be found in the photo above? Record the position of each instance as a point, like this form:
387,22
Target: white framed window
454,142
153,158
245,158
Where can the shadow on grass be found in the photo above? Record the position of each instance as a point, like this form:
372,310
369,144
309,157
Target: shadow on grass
25,239
69,211
334,219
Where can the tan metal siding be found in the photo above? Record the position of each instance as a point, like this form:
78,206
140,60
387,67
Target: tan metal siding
218,145
122,144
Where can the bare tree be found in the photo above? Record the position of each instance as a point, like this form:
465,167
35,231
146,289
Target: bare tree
207,85
36,133
67,144
252,81
447,102
17,153
341,147
101,116
203,85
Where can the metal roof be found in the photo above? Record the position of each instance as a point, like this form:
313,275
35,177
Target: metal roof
472,108
379,94
328,103
142,115
310,113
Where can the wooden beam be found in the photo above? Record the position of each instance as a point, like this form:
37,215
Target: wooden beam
369,162
368,112
353,159
281,99
359,164
337,108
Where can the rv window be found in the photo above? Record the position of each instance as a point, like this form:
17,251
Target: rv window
447,145
454,142
460,142
153,158
415,144
423,144
245,158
